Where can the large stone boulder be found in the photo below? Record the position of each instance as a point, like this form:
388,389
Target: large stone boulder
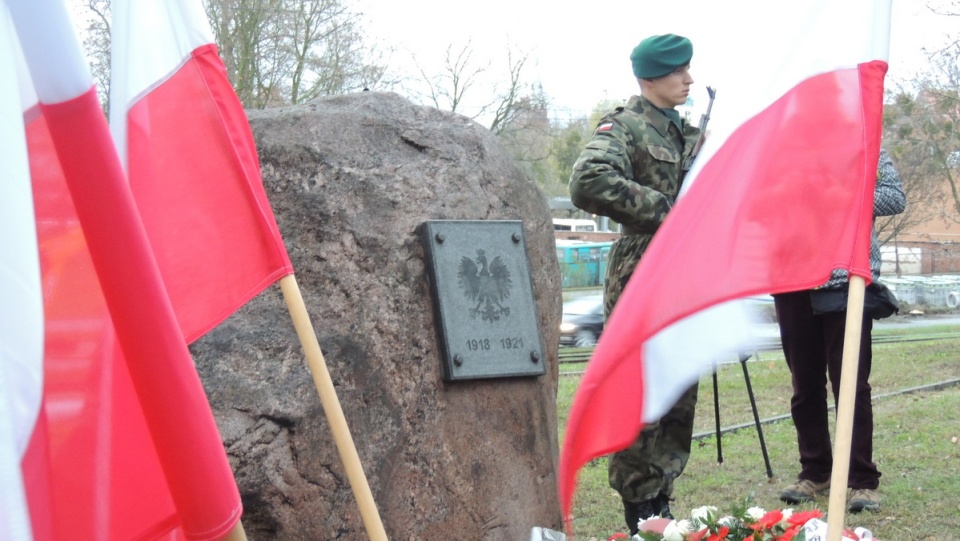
351,179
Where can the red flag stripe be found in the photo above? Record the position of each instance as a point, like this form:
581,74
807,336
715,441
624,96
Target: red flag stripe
181,424
195,175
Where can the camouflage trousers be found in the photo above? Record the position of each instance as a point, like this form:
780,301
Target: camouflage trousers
650,465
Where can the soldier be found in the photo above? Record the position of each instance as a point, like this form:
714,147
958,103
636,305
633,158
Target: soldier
631,171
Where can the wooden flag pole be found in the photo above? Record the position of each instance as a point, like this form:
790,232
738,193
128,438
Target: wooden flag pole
331,406
236,534
845,403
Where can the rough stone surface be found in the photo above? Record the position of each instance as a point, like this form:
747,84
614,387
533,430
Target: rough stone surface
351,178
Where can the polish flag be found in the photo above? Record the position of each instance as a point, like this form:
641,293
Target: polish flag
186,144
21,308
118,442
780,195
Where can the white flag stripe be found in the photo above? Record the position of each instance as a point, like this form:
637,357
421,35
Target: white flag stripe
161,36
28,96
21,309
51,48
21,312
831,36
678,356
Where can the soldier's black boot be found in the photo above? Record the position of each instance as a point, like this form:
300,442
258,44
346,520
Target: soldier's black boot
633,512
661,506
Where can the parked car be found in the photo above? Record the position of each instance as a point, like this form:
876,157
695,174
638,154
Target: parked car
582,321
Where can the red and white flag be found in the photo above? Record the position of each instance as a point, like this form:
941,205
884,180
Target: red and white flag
781,195
21,306
186,144
121,444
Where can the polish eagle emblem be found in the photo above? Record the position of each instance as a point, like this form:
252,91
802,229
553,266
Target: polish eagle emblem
485,284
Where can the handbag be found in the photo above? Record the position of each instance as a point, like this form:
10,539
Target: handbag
878,301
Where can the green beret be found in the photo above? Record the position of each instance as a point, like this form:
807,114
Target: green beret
657,56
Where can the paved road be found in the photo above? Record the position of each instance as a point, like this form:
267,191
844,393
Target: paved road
919,321
771,332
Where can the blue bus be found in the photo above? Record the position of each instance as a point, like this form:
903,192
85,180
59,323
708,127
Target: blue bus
582,263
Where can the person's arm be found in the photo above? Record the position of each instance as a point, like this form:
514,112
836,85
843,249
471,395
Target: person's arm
888,197
602,183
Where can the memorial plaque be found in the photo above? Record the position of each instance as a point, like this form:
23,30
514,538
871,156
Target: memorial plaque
487,322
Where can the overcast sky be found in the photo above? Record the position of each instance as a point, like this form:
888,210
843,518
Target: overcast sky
581,55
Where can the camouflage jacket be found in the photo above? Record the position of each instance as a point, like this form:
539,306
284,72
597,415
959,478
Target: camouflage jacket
632,168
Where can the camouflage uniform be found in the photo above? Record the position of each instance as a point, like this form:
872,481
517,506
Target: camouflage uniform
631,171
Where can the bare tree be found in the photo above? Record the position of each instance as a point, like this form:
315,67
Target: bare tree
476,89
920,132
924,128
245,36
526,134
339,61
96,42
948,9
518,98
448,89
281,52
915,163
276,52
567,143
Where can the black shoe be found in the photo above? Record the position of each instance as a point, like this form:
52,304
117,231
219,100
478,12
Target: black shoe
633,513
661,505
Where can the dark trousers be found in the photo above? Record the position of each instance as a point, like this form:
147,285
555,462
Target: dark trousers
813,346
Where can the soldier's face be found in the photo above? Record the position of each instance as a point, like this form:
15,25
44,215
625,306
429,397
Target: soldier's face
670,90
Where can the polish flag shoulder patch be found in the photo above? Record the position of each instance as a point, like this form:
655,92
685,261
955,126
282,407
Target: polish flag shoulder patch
606,126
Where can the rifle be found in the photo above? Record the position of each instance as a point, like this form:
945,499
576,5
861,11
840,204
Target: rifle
688,162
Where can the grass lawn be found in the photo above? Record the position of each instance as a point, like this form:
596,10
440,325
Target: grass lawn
916,445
